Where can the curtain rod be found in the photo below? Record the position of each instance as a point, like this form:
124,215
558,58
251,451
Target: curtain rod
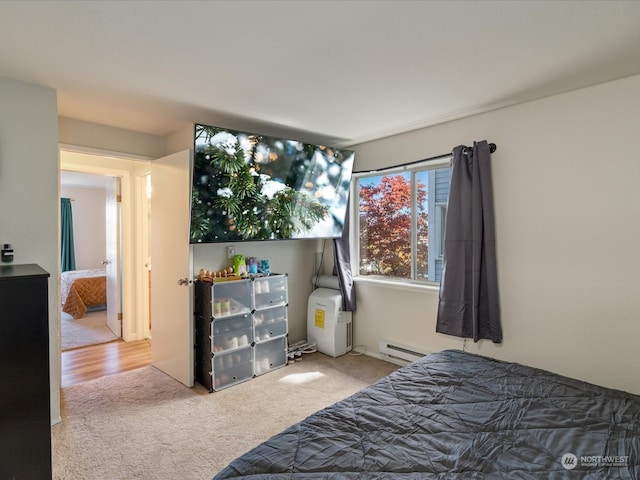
492,148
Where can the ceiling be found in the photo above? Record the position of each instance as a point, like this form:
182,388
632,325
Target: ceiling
339,72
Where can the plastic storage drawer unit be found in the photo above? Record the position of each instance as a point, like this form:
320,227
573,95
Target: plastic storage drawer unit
270,291
240,329
270,323
232,367
231,298
231,333
270,355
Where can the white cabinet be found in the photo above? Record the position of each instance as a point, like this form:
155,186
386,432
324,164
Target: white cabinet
241,329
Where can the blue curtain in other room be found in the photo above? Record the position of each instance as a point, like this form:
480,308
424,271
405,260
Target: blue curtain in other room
469,306
68,252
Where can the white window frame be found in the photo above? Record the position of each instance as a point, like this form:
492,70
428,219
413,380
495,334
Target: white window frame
354,241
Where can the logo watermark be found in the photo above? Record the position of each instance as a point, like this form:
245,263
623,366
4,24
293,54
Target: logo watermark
570,461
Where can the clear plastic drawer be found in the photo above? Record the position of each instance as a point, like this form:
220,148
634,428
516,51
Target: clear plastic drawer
229,333
270,323
232,367
270,291
270,355
230,298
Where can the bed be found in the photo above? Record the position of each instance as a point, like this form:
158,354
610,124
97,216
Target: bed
83,289
457,415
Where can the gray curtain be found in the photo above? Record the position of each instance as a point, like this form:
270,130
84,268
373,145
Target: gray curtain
469,306
342,268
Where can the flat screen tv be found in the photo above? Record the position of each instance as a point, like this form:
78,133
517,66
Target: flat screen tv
248,186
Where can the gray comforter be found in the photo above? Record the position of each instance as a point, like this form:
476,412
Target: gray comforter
455,415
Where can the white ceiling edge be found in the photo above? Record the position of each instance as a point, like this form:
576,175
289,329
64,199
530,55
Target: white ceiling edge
381,135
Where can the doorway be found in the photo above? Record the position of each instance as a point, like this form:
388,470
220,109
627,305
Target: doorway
171,294
90,232
133,220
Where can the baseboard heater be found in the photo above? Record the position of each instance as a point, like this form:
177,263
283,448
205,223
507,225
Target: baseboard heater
399,353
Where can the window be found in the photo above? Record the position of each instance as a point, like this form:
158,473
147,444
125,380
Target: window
401,222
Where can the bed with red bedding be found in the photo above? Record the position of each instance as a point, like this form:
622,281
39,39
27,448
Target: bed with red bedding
83,289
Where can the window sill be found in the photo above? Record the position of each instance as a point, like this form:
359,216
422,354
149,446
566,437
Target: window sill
405,285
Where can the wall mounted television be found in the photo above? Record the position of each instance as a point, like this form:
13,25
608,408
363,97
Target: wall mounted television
252,187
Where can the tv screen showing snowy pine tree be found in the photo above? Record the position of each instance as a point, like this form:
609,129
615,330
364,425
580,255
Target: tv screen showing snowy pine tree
248,186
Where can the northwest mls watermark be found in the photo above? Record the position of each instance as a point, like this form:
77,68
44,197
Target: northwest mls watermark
571,461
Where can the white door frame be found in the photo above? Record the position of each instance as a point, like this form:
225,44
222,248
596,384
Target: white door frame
142,250
91,160
113,254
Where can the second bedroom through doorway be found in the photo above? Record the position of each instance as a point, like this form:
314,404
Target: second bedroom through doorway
83,276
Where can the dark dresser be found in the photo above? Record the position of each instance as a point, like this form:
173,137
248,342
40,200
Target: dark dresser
25,415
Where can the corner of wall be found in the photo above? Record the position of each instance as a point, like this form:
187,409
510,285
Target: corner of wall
181,139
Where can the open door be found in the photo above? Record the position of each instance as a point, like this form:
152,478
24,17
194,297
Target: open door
113,215
171,288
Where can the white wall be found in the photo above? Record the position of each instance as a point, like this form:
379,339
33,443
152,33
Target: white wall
567,203
181,140
88,210
104,138
29,192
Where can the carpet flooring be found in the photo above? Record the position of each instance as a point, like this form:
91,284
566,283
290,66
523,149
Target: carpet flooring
145,425
88,330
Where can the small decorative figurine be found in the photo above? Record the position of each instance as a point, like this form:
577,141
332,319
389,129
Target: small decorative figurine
264,267
209,276
239,265
252,265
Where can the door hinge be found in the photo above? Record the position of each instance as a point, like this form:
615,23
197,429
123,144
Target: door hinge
119,198
120,316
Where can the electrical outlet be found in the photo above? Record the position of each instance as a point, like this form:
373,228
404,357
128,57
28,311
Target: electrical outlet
231,251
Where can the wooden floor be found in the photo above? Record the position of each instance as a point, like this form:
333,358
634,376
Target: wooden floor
95,361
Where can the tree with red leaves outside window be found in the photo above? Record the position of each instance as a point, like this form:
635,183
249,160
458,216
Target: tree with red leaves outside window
385,227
